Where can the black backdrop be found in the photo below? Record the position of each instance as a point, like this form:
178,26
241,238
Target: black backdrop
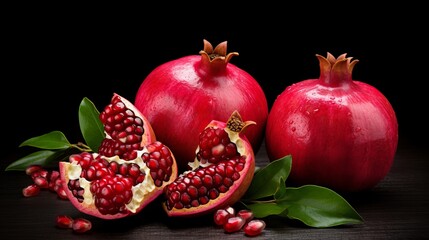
52,59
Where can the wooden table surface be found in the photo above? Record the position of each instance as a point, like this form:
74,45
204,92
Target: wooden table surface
397,208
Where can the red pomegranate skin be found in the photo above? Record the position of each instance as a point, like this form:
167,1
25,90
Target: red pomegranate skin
341,133
182,96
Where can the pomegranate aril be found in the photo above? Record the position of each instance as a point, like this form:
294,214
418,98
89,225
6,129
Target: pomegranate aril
233,224
32,169
231,210
254,227
221,216
64,221
41,182
41,173
31,190
62,193
81,225
247,215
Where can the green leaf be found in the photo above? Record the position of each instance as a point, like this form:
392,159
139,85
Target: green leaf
90,124
42,157
319,207
52,140
280,194
266,181
264,209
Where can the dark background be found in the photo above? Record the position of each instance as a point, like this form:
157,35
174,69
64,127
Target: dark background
54,58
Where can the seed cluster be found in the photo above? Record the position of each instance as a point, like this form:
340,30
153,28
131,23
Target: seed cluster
111,193
160,161
124,128
96,168
111,182
200,186
215,145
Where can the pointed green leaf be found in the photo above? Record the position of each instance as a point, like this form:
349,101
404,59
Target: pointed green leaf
42,157
319,207
265,183
264,209
52,140
280,194
90,124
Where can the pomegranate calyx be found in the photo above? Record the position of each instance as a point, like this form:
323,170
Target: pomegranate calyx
217,55
335,72
235,123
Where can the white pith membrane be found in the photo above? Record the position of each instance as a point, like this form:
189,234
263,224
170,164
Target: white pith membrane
139,191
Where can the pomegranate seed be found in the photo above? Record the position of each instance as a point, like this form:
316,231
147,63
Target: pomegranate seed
247,215
233,224
254,227
81,225
41,182
64,221
32,169
54,176
62,193
31,190
41,173
231,210
221,216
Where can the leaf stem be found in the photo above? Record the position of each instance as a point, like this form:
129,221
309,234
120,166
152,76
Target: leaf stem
82,147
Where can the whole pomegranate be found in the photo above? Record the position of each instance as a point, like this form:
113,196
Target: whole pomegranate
341,133
129,171
221,172
182,96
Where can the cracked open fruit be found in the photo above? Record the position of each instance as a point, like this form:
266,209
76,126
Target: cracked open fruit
129,170
221,172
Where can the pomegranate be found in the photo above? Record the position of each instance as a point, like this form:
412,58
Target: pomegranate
221,172
129,171
182,96
341,133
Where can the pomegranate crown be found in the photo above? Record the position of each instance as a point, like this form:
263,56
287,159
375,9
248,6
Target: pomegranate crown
217,54
236,124
335,71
